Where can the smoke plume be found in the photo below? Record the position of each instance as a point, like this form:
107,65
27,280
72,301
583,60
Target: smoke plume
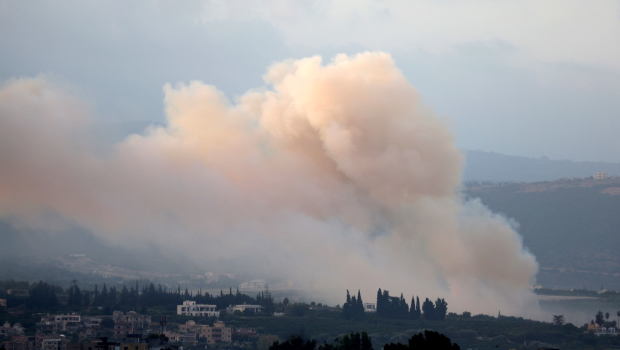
335,175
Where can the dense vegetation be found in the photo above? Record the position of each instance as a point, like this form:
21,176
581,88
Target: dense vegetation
43,296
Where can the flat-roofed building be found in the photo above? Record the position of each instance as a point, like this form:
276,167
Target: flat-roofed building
219,333
370,307
249,308
54,344
190,308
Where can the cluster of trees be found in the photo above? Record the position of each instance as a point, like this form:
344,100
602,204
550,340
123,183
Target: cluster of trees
353,341
435,311
361,341
45,296
603,320
354,307
388,306
151,296
223,300
428,341
76,297
42,296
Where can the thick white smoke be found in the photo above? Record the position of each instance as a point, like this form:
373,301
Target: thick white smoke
335,174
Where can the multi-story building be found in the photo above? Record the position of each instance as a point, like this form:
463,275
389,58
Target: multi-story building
134,346
121,329
190,308
187,338
91,322
40,338
60,323
138,322
20,342
601,176
54,344
7,330
219,333
102,344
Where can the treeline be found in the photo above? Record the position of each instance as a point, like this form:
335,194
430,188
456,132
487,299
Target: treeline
150,296
395,307
353,307
430,340
40,295
222,300
353,341
389,306
44,296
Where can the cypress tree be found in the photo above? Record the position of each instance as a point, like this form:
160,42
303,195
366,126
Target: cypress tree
417,307
429,309
360,305
346,307
104,295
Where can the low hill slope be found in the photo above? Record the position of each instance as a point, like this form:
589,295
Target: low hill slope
572,226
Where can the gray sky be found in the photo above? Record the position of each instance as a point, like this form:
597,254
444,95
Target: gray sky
532,78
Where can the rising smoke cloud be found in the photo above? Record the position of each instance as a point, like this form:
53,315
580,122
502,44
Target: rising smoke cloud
335,174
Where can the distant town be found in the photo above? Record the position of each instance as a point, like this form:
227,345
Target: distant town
40,316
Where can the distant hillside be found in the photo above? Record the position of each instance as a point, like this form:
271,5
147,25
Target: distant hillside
496,167
572,226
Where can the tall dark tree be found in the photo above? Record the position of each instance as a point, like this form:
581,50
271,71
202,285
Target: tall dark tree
428,309
441,309
112,297
96,297
353,307
380,306
86,298
346,307
429,341
294,343
360,304
599,318
267,302
417,306
413,312
42,296
75,296
353,341
103,297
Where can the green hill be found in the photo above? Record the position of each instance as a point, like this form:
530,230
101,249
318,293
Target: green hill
572,226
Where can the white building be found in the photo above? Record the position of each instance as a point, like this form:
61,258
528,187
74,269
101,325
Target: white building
601,176
253,284
54,344
59,323
8,330
190,308
370,307
252,308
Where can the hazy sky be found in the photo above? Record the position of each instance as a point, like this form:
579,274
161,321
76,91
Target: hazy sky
533,78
